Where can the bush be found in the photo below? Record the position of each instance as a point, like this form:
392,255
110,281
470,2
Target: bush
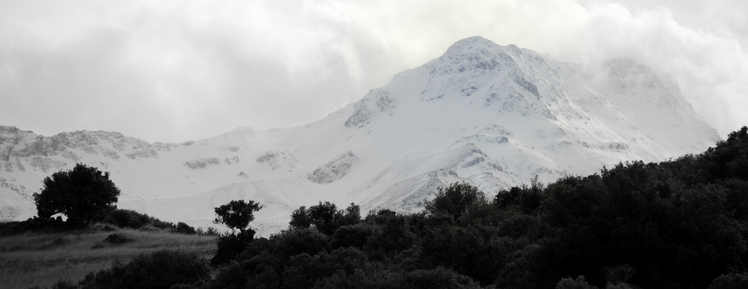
161,269
127,218
230,245
456,200
351,236
183,228
303,241
730,281
378,277
34,224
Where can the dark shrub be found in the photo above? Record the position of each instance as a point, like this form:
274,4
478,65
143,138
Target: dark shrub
730,281
456,200
127,218
162,225
183,228
230,245
378,277
302,241
351,236
161,269
117,239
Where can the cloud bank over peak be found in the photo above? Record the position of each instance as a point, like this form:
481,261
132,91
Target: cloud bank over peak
174,71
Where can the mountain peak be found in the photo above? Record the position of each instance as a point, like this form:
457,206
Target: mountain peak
481,113
474,41
479,46
473,47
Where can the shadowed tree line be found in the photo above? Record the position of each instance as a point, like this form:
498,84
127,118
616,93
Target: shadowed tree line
681,223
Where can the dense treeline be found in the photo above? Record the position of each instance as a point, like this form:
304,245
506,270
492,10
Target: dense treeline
676,224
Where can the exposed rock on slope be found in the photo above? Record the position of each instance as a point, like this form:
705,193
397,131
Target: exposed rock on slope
491,115
335,169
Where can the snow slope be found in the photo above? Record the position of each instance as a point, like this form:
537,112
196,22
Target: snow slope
492,115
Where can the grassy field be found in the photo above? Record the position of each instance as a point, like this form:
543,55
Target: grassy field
41,259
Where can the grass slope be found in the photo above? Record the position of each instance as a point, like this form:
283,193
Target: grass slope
41,259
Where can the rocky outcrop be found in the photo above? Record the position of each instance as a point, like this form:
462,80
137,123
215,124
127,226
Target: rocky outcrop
334,170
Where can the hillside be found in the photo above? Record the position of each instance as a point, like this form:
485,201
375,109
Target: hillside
43,258
494,116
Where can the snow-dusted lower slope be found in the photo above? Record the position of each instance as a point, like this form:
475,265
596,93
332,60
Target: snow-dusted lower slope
492,115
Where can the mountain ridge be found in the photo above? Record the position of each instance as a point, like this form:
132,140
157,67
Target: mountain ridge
482,113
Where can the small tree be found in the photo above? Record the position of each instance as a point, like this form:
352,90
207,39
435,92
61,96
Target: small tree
324,217
83,194
237,214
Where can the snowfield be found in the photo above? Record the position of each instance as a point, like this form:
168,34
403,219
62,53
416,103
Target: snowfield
491,115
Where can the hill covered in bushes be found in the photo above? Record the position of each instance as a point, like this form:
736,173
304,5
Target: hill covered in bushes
681,223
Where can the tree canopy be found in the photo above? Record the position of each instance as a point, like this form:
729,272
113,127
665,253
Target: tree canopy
83,194
237,214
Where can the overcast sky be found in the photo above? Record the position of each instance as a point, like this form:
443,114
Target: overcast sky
174,71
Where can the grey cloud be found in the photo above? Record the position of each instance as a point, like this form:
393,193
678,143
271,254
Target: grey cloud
174,70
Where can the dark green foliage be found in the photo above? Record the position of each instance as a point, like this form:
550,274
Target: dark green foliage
393,233
117,239
230,245
183,228
300,218
524,199
730,281
302,241
132,219
304,270
350,216
456,200
325,217
83,194
378,277
351,236
36,225
729,159
161,269
237,214
127,218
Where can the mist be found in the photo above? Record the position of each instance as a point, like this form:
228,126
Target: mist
173,71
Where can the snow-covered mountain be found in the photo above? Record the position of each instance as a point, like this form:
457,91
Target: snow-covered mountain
492,115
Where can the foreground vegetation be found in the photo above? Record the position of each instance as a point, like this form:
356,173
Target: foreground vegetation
44,258
676,224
